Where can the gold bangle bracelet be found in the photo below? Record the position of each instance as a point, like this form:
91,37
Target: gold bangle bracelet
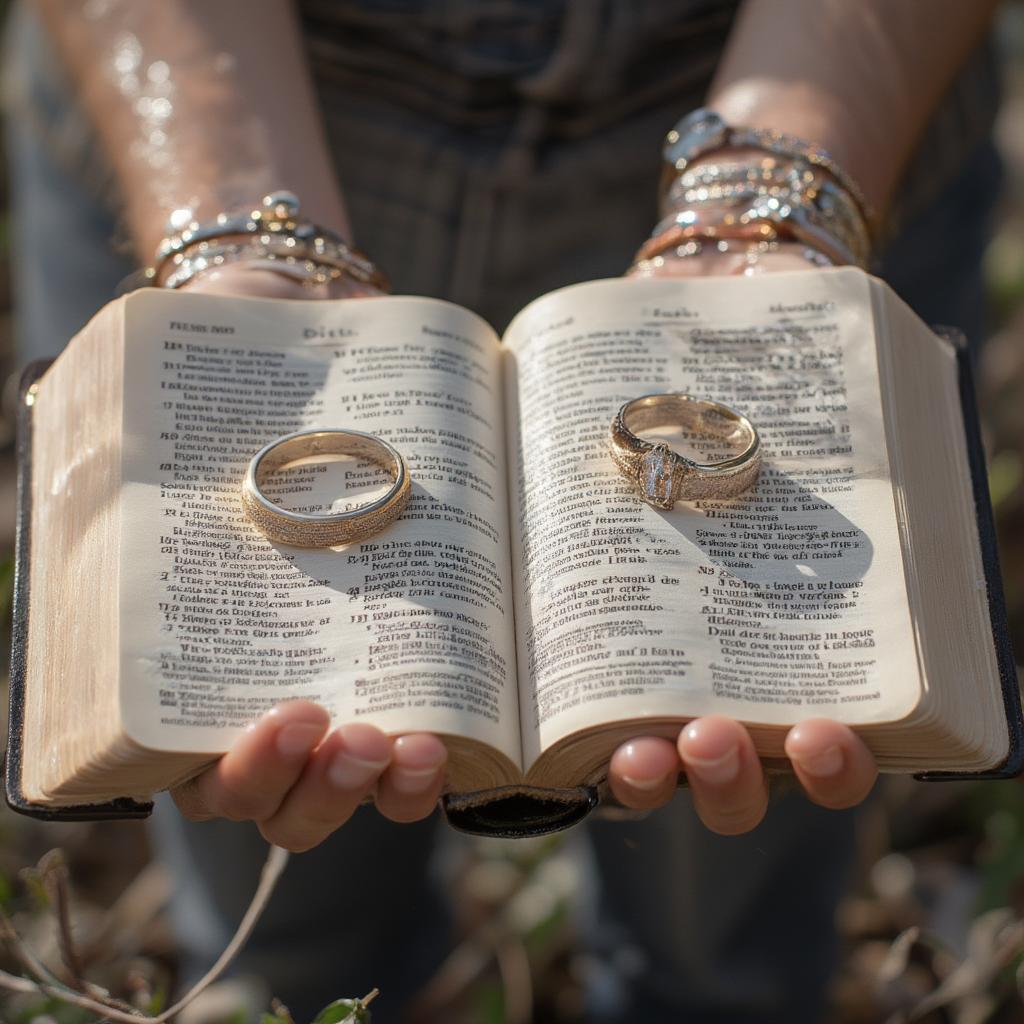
310,530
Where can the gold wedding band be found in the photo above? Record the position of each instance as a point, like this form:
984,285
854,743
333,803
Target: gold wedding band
662,475
329,529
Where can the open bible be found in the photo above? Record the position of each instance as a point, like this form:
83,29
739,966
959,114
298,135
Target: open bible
527,606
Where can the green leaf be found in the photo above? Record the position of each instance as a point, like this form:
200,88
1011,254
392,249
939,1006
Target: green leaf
344,1011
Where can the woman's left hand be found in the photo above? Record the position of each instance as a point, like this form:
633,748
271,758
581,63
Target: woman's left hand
724,773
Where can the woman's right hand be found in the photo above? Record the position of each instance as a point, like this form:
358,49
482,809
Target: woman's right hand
290,773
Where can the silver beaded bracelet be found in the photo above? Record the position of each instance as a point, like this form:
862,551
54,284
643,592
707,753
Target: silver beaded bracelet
703,131
769,198
273,235
794,192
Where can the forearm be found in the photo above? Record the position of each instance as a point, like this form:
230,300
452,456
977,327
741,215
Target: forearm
859,77
204,104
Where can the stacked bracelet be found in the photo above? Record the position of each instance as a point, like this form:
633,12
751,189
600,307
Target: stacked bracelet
703,131
795,193
768,199
769,185
273,236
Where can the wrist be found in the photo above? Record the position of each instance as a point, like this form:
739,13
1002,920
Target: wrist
232,193
727,185
270,236
852,139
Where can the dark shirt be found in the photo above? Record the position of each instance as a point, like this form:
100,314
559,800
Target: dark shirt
547,72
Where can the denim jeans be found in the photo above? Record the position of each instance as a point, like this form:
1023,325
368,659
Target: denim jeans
719,929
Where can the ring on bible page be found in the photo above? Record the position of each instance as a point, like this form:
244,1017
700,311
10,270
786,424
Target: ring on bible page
663,475
326,529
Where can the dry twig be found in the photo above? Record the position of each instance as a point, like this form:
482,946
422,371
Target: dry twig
53,872
45,982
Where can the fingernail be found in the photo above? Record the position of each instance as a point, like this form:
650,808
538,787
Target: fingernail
644,784
348,772
828,762
718,770
411,781
298,738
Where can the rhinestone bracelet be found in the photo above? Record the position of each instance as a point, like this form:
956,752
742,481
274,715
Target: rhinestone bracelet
704,131
257,254
766,200
275,226
828,205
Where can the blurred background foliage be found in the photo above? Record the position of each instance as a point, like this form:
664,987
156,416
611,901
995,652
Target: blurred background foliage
932,919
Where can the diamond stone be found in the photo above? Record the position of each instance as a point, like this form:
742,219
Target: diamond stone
656,476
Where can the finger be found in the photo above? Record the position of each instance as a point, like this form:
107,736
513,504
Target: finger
343,771
643,773
831,762
729,788
410,788
249,782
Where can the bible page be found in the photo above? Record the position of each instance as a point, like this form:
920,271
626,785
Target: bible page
410,630
784,603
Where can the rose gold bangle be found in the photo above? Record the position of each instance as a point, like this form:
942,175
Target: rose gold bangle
681,233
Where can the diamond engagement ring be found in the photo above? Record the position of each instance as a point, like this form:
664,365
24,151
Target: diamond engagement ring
663,475
328,529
